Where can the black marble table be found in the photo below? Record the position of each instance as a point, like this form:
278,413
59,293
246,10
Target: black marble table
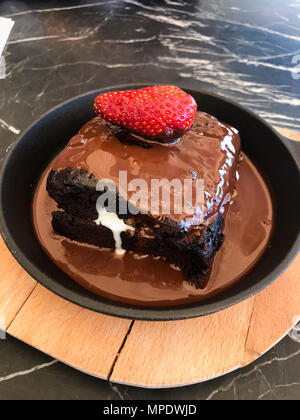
247,50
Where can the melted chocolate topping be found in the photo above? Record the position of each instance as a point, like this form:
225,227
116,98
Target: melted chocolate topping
143,280
209,150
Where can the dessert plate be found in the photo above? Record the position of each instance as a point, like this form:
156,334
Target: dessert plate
274,155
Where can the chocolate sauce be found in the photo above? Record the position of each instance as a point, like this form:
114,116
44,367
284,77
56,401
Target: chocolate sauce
143,280
209,150
128,137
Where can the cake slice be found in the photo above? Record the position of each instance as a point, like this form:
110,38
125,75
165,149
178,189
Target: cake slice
208,150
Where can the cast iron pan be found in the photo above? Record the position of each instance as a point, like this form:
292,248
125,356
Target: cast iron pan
46,137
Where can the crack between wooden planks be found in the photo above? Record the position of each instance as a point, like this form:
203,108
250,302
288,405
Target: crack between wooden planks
248,332
18,311
119,351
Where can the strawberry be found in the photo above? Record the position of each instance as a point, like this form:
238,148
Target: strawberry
156,112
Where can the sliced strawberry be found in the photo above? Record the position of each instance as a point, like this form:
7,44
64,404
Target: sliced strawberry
156,112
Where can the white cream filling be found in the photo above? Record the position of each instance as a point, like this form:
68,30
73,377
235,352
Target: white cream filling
115,224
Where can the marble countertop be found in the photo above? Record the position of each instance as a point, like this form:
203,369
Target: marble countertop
248,51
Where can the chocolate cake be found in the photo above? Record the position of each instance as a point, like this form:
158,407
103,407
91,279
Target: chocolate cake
209,150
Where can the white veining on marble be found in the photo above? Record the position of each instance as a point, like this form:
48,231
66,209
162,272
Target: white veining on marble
279,120
205,15
272,66
276,387
58,37
282,17
74,84
73,38
272,57
130,41
263,29
37,38
116,390
257,368
9,127
19,66
166,19
190,62
187,42
228,56
92,63
10,147
138,4
26,372
60,9
175,3
162,10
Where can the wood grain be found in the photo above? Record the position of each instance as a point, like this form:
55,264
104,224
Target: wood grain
276,310
295,135
81,338
15,286
160,354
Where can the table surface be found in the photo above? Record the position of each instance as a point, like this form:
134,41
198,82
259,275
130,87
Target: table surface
248,52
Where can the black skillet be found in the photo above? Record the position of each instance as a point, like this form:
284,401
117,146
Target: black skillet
274,155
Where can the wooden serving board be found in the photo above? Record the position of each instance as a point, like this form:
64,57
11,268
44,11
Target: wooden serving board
147,354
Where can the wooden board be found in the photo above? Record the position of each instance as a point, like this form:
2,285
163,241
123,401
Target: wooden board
148,354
